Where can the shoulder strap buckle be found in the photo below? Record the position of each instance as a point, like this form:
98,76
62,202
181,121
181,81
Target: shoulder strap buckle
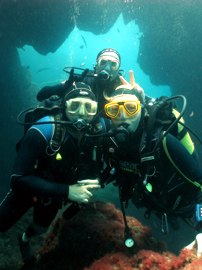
57,137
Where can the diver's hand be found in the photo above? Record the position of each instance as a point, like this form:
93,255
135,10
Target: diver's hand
197,243
80,192
132,84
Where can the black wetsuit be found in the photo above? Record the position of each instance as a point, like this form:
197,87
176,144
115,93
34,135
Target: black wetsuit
168,184
41,177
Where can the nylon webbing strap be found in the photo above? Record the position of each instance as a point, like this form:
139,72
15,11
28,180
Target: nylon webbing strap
58,135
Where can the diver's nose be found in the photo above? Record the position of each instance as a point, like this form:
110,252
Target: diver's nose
108,66
82,110
122,113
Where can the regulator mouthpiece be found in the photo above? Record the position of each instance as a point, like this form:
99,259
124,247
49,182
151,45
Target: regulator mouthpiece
80,124
103,75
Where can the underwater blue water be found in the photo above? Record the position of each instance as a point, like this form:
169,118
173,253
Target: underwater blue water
80,50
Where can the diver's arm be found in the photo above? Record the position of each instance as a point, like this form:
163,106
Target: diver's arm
48,91
24,179
60,89
186,165
36,186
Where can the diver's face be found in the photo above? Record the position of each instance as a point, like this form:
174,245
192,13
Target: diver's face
108,65
125,110
80,108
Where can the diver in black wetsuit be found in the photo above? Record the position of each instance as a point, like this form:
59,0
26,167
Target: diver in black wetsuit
53,167
103,79
152,170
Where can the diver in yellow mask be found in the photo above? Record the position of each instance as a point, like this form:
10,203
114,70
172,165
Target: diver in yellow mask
168,114
151,168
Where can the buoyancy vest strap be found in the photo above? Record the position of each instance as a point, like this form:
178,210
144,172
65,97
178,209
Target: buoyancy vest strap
183,135
58,134
195,183
187,142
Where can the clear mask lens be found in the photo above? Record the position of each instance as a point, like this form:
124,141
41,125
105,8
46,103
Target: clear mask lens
75,105
113,64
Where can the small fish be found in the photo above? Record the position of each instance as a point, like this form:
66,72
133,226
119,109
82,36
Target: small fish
82,64
81,47
107,39
42,69
191,114
84,41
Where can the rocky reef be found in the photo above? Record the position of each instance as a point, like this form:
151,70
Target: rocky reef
94,240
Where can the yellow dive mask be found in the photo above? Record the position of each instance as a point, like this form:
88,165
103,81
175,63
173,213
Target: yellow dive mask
130,107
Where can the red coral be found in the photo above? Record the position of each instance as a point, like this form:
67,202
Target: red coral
195,265
148,260
95,236
118,261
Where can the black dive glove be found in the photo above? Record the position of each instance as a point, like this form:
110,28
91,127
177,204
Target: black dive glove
62,88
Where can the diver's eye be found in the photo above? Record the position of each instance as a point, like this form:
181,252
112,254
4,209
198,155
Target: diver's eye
131,107
88,107
74,106
114,65
112,110
103,62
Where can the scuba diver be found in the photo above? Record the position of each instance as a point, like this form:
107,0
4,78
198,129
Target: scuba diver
108,75
150,166
54,166
166,113
103,79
